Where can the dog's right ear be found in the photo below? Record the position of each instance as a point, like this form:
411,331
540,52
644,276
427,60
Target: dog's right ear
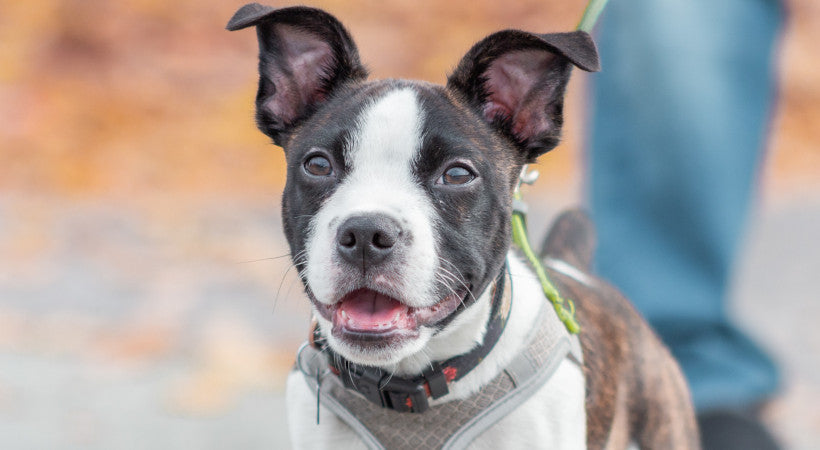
304,55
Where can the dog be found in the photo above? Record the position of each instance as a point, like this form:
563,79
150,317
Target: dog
430,332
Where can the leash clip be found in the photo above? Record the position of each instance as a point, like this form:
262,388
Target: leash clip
525,177
528,177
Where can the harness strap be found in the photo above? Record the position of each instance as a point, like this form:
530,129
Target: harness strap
527,382
570,271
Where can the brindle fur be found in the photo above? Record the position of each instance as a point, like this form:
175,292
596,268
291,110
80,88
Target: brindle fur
635,389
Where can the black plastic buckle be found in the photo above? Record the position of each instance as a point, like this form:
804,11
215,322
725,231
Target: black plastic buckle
405,395
385,390
436,381
364,380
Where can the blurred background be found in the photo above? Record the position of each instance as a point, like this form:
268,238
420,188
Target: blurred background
146,299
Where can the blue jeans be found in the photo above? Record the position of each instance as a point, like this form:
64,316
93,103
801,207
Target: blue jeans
680,117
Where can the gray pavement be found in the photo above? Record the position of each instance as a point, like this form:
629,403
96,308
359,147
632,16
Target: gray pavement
144,327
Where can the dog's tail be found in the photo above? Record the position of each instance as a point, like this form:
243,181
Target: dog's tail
571,239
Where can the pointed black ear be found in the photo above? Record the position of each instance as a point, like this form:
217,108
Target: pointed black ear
516,81
304,55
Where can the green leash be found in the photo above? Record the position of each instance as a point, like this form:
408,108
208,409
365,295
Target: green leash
565,308
591,13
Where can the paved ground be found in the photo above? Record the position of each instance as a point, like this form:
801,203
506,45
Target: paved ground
128,326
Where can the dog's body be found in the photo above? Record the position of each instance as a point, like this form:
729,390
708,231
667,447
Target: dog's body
397,211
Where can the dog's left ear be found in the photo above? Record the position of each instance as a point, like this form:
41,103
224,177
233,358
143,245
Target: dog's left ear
516,81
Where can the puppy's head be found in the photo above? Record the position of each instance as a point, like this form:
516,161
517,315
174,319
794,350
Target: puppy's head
398,197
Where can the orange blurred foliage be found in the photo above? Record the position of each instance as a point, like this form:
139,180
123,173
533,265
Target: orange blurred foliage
151,98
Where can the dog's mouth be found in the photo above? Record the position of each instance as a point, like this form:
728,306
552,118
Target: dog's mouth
369,315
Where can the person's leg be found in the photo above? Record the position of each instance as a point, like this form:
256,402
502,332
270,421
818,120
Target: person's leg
681,113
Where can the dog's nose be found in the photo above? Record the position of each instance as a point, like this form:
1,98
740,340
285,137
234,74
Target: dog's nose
367,239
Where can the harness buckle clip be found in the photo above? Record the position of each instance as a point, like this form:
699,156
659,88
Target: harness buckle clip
364,380
388,392
404,396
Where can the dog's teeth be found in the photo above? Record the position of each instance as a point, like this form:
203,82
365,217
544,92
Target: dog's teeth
344,314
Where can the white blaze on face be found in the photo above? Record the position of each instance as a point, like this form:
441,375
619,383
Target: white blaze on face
381,154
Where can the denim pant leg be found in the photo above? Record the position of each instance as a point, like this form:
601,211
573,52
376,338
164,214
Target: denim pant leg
680,116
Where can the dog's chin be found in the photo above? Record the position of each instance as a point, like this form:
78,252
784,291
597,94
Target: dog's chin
371,328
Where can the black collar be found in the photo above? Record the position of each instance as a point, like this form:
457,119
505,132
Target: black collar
410,394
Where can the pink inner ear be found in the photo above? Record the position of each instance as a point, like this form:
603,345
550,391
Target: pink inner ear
308,57
518,92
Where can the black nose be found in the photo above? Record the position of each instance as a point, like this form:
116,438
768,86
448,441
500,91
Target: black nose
368,239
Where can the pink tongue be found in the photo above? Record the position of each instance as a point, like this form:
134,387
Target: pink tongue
366,309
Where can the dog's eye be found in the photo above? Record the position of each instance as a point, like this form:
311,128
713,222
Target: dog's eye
456,175
319,166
